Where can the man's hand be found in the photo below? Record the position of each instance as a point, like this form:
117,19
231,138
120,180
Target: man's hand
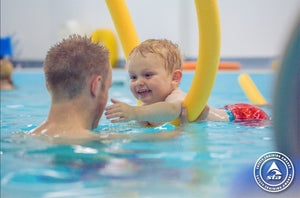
183,115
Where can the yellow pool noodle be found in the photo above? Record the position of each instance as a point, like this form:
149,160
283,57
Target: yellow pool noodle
109,40
123,24
251,90
208,57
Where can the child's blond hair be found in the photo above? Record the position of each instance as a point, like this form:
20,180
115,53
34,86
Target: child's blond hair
167,50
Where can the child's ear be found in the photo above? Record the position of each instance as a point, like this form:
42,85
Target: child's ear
177,75
95,85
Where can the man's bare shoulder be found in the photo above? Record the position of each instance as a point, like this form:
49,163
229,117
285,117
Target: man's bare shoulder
52,130
85,136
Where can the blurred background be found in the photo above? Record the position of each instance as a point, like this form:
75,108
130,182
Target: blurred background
249,28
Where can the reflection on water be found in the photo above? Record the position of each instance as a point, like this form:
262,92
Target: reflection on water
201,161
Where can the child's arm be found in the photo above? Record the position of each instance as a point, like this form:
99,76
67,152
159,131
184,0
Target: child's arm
212,114
157,112
208,114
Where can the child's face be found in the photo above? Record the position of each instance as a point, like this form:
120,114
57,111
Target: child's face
149,80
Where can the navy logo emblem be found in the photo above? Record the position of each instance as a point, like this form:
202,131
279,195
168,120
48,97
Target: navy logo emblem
274,172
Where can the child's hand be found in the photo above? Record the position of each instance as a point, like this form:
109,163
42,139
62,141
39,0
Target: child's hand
122,111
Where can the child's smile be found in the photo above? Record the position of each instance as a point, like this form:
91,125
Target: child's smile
149,80
143,93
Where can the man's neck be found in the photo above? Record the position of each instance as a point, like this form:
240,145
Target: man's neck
66,120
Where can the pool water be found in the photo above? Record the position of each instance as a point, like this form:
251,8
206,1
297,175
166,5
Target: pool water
200,160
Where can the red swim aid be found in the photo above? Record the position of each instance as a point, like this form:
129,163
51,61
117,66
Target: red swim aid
243,111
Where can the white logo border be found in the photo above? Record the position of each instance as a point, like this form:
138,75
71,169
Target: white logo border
265,183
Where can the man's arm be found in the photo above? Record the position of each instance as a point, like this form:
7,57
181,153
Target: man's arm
157,112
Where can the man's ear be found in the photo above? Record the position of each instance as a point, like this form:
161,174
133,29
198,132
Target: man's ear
177,75
47,86
95,85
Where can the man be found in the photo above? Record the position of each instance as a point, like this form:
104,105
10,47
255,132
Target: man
78,76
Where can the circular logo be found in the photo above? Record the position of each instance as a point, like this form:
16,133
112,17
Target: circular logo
273,172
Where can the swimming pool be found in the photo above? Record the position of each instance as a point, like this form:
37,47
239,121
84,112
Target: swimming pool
202,160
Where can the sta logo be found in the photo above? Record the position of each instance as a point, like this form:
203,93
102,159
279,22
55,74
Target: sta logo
273,172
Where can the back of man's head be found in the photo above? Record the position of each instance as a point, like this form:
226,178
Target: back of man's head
71,62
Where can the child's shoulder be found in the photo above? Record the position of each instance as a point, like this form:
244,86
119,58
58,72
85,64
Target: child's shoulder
176,95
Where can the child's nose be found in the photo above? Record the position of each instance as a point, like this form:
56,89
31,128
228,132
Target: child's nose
139,81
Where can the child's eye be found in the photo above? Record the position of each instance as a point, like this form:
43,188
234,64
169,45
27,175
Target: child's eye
132,77
148,75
